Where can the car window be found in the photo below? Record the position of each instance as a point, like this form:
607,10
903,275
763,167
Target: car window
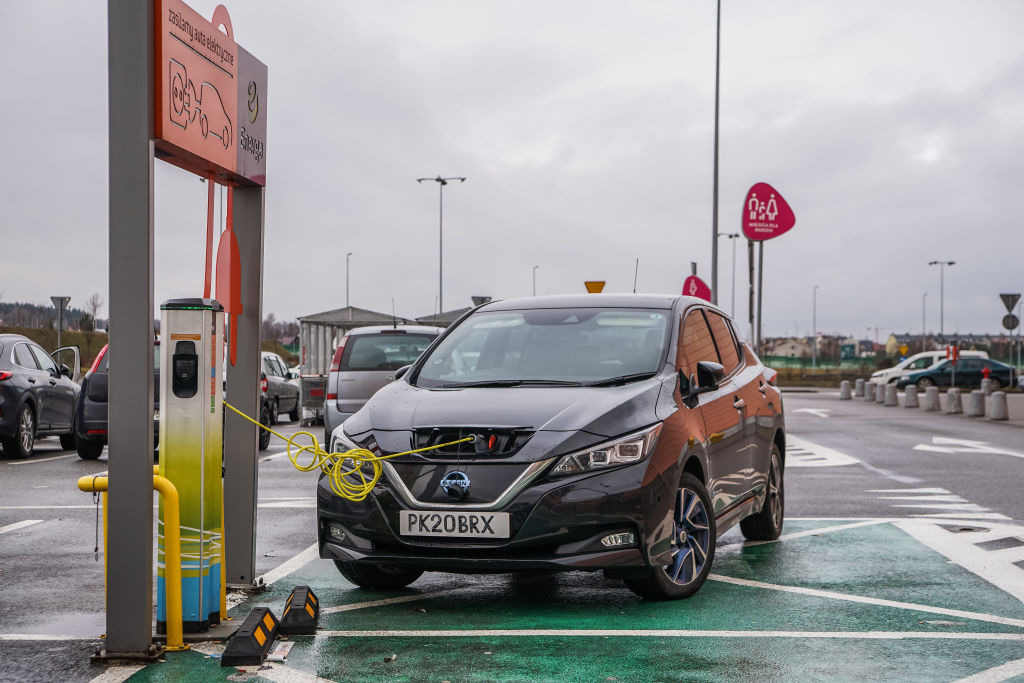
920,364
697,344
387,351
562,345
45,362
970,364
724,340
282,371
24,357
268,367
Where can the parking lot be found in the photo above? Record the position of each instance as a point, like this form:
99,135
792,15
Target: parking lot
902,558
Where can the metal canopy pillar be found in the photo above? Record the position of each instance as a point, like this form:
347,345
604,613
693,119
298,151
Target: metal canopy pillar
129,601
241,474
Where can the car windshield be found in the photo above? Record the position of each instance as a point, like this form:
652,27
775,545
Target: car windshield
555,346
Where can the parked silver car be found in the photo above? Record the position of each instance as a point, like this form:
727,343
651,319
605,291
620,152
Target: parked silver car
365,361
282,392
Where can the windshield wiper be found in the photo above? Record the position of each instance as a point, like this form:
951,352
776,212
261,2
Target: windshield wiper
511,383
621,379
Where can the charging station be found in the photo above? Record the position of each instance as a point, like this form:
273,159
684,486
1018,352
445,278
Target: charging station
191,451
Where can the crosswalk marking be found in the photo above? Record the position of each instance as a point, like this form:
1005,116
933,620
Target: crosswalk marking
947,505
19,525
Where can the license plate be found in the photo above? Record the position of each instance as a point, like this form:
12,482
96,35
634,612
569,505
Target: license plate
454,524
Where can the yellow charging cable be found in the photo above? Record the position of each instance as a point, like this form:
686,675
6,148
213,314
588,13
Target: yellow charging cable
341,468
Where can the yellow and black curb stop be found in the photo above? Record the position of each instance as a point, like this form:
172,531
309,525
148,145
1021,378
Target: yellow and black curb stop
252,641
301,612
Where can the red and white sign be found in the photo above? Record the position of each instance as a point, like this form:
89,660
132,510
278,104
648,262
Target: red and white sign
766,214
694,286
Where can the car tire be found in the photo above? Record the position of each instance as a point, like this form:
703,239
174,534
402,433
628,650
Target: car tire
274,412
293,414
23,442
766,525
88,450
264,435
378,577
996,384
924,383
693,536
67,441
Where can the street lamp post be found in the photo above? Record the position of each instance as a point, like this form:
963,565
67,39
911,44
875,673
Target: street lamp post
347,256
814,327
535,280
714,183
924,328
733,236
441,182
942,296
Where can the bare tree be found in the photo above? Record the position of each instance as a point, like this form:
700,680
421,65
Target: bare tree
93,303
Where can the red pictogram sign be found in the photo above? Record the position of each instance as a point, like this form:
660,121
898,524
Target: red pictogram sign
765,213
694,286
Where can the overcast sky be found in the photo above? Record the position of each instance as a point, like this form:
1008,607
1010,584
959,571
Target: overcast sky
895,130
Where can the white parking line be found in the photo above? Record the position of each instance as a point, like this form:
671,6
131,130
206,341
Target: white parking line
815,532
396,601
669,633
273,671
19,525
285,568
996,674
39,460
116,674
813,592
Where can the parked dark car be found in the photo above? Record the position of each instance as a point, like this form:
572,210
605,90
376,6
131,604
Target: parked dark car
621,433
37,396
968,373
282,392
91,408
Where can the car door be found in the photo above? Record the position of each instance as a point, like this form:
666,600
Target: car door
59,406
288,393
36,381
726,437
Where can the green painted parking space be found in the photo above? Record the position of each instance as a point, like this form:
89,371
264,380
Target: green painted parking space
838,601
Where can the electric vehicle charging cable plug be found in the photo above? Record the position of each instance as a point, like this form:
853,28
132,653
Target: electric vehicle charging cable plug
342,469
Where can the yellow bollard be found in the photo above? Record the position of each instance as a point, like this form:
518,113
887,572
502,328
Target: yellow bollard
172,550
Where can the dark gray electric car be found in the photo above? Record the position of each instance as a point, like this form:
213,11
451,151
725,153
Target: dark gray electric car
621,433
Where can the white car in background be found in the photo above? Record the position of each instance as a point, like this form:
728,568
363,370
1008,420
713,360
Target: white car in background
919,361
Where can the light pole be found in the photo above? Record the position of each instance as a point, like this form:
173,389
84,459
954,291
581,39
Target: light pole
814,327
347,256
535,280
441,182
924,328
714,184
942,296
733,236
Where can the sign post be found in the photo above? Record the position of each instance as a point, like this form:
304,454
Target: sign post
1011,322
766,215
60,303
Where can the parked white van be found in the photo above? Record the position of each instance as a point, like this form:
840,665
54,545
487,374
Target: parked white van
919,361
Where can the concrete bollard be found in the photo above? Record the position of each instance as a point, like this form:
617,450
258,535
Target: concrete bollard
880,393
999,409
869,392
976,404
910,396
954,404
844,390
931,399
986,386
858,388
891,395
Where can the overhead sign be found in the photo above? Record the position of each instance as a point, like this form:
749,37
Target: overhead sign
1010,321
594,286
694,286
210,105
766,214
1009,300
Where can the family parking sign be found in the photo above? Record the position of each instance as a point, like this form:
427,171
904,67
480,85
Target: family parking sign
766,214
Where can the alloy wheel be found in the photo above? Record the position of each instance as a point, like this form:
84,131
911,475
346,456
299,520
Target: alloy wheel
691,538
774,489
26,431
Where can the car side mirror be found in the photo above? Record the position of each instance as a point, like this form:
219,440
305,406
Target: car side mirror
709,376
65,370
400,372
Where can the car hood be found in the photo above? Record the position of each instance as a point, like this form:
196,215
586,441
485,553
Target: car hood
583,415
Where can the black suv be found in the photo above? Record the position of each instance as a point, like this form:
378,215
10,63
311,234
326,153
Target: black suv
37,396
91,408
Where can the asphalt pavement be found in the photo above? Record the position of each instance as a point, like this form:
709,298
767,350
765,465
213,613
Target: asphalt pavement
902,559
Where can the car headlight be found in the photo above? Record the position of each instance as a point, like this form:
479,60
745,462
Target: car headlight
340,442
623,451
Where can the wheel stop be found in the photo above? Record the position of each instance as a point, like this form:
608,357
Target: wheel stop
252,641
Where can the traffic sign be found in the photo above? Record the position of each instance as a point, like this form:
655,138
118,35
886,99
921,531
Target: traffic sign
903,349
694,286
1009,300
765,213
1010,321
594,286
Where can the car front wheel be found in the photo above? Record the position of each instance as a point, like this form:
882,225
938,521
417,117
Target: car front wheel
67,441
693,547
378,577
766,525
